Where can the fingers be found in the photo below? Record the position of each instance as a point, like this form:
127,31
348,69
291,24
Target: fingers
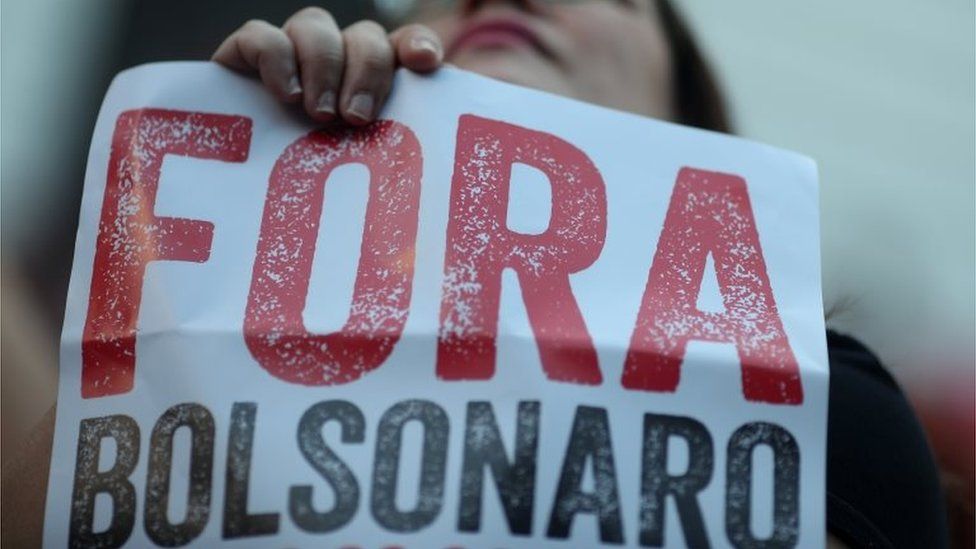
368,72
417,48
372,55
321,58
336,74
262,47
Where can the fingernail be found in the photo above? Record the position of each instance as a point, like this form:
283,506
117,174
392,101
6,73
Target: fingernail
326,103
425,43
361,106
294,86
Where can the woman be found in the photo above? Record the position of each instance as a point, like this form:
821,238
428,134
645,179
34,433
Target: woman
633,55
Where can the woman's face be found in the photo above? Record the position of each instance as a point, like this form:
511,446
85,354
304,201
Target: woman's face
609,52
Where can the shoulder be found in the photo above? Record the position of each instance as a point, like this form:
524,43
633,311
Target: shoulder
882,483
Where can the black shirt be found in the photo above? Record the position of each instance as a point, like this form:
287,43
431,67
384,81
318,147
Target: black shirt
882,483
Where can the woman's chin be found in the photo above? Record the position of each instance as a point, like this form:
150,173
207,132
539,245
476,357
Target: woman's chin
512,69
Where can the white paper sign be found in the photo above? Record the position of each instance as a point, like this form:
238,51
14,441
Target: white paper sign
496,318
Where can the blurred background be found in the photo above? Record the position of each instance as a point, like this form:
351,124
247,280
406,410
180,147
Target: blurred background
881,93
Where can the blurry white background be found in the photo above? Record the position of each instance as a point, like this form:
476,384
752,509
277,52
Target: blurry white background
881,94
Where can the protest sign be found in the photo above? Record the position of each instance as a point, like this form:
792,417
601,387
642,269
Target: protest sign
494,318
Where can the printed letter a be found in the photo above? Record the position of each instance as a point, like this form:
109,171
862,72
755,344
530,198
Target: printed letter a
710,214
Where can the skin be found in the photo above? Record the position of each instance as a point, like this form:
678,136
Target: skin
608,52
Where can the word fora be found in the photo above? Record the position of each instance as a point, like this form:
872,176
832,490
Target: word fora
709,213
484,455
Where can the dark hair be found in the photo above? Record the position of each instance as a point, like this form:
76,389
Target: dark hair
698,98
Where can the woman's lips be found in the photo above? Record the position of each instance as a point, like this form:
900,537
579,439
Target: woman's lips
496,34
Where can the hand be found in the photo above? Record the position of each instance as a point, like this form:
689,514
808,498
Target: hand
335,74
